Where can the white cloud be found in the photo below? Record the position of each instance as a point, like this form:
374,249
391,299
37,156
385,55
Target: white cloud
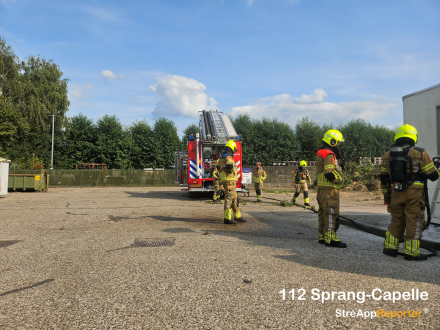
154,73
181,96
77,96
101,13
395,126
250,2
76,93
289,109
85,105
107,74
317,96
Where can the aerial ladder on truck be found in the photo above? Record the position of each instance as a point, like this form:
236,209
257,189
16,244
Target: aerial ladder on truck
194,167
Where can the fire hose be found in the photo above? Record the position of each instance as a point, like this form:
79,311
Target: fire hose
363,228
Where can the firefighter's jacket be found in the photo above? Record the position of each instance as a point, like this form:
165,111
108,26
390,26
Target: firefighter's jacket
301,176
329,171
227,168
258,175
422,166
215,174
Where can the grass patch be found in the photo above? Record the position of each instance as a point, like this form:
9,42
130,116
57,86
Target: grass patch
284,203
272,191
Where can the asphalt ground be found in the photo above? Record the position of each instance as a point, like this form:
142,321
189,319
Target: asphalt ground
67,261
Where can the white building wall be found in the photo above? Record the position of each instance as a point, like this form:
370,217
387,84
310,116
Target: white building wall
422,110
4,175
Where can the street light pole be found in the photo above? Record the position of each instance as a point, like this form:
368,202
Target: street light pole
53,133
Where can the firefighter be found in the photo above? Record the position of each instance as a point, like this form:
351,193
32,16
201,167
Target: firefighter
216,182
301,180
329,183
228,177
258,176
403,172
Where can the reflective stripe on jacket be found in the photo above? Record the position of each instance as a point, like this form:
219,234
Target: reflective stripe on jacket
258,175
227,174
326,162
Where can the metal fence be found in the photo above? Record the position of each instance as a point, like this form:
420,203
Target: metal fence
106,177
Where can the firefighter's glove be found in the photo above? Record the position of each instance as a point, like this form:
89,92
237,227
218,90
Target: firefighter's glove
386,199
342,164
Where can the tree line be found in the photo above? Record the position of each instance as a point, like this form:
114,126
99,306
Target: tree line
269,140
34,88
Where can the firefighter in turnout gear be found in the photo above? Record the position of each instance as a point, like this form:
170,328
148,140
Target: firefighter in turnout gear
258,176
329,183
301,180
216,182
228,177
404,171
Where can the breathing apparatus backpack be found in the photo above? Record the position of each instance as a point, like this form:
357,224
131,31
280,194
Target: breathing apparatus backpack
300,175
399,175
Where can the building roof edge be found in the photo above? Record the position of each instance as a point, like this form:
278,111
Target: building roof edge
421,91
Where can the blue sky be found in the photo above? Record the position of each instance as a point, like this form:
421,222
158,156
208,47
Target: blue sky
331,60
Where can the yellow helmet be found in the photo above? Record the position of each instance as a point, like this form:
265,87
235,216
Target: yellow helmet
231,144
303,163
406,131
332,137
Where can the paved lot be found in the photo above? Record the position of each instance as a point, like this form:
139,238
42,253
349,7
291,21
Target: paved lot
72,265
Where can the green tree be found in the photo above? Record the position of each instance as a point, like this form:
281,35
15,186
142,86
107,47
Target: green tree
364,140
144,145
79,146
44,91
266,140
11,120
309,135
166,140
244,126
190,129
110,142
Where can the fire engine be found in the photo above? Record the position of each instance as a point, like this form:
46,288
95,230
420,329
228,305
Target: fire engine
194,167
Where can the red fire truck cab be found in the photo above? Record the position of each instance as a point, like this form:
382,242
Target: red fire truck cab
194,167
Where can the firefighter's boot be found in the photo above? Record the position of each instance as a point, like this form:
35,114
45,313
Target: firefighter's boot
238,217
390,245
332,240
321,238
294,198
306,198
412,252
259,195
228,216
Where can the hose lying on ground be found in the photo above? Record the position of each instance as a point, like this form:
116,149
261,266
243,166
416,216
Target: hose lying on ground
359,226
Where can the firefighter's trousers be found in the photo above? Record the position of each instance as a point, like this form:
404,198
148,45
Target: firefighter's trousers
217,190
407,209
301,187
328,212
231,200
259,189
